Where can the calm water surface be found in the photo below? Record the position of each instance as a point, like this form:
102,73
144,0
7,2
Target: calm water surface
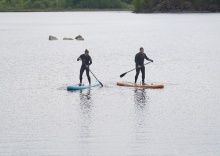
39,116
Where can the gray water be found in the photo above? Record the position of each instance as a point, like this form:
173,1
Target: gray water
39,116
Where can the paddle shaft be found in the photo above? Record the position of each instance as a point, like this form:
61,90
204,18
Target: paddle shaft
132,70
93,74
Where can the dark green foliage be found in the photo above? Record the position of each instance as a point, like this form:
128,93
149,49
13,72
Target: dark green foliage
44,5
138,5
176,5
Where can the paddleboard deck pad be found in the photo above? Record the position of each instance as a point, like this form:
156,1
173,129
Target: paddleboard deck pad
147,86
77,87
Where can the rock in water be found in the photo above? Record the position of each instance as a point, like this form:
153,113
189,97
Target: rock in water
66,38
52,38
79,37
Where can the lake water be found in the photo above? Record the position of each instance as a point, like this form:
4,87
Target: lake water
39,116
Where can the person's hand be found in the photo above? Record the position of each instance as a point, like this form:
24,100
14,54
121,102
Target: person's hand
139,66
151,60
87,66
78,59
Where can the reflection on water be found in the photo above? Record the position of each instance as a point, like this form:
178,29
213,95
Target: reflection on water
85,97
140,97
85,118
140,120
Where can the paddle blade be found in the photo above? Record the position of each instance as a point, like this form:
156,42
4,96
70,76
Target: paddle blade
123,74
101,84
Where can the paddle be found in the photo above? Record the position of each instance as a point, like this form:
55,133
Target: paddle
132,70
94,75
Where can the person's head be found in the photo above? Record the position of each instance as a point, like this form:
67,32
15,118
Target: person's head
141,49
86,52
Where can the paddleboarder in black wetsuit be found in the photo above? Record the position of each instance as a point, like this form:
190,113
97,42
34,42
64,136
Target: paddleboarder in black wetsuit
139,60
86,62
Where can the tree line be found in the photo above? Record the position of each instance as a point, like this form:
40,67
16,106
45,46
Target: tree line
19,5
176,5
136,5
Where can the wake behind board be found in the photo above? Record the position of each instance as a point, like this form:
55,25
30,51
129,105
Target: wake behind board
147,86
77,87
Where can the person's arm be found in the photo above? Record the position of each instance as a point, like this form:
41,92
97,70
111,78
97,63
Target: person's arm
79,58
148,58
136,61
90,61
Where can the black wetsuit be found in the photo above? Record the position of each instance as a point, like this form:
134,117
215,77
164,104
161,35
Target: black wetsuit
139,60
86,61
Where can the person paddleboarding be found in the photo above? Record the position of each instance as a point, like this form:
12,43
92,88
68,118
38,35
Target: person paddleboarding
86,62
139,61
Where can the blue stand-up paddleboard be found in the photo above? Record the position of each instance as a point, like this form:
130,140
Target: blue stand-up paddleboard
77,87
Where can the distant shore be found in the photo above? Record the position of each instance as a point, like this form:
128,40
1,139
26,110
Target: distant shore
174,12
64,10
100,10
177,6
97,10
125,9
135,6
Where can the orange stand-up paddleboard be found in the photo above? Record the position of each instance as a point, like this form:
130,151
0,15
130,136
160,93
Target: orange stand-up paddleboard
150,86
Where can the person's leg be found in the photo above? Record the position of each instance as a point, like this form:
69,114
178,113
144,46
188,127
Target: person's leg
137,73
143,73
87,73
80,75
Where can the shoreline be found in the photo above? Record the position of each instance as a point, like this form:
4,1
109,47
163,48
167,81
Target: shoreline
64,10
183,11
171,12
103,10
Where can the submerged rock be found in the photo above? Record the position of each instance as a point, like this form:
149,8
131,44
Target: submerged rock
52,38
79,37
